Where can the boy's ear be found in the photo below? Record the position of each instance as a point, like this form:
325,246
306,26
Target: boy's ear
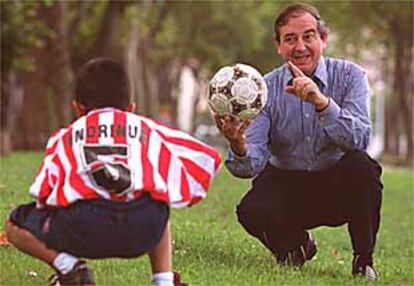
131,107
80,109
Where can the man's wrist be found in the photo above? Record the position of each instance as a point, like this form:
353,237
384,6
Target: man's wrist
239,149
323,104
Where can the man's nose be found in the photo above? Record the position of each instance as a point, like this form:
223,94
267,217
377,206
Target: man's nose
300,45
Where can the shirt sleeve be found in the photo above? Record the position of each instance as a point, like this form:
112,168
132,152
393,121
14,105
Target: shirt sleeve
45,179
185,164
257,155
348,124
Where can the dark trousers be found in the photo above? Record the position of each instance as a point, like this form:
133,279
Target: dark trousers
283,204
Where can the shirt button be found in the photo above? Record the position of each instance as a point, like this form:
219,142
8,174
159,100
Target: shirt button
308,138
306,115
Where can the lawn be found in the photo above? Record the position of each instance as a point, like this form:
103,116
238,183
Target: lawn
211,248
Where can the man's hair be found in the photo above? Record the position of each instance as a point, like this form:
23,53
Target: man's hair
294,10
102,82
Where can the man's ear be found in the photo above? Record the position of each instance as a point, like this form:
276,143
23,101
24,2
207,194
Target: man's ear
324,39
131,107
276,43
80,109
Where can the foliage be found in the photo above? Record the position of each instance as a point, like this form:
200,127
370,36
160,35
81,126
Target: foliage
20,33
219,33
376,16
211,248
86,32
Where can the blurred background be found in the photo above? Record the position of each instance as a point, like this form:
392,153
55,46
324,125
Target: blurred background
171,49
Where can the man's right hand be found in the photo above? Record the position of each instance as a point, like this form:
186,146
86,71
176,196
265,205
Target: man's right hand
232,128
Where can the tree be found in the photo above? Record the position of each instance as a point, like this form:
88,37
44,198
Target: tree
20,34
47,87
388,25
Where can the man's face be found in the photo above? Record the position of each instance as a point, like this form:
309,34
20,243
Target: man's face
301,43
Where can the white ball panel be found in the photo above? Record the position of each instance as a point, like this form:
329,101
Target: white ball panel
220,104
244,89
222,77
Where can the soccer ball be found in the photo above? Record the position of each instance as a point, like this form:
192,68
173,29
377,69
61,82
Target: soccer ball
239,90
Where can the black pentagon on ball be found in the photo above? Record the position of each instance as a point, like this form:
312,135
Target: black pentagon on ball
237,107
258,102
238,73
224,90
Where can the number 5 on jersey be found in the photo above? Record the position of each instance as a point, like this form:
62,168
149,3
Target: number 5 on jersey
106,173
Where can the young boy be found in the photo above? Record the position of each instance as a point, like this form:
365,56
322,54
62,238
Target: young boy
107,181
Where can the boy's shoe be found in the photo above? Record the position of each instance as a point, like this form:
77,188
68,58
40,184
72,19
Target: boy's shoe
298,256
177,280
364,266
80,275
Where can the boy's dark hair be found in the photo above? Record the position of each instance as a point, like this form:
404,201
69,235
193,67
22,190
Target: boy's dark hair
102,82
294,9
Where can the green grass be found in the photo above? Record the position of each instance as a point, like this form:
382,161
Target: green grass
211,248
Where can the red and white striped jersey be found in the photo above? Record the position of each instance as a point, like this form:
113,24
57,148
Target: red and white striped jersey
118,155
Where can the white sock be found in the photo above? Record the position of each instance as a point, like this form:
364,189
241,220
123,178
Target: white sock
163,279
65,262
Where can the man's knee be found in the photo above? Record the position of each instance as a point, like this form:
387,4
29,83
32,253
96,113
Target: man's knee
361,158
243,213
248,216
362,177
359,166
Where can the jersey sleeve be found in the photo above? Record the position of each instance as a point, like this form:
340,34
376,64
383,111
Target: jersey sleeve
186,165
46,176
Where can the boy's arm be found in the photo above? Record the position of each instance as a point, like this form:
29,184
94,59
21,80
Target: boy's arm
47,173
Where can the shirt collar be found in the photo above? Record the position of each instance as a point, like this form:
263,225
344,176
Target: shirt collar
320,73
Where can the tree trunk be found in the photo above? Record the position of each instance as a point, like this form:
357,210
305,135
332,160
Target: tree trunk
60,75
34,124
402,31
150,98
7,47
146,86
5,138
133,64
46,90
107,42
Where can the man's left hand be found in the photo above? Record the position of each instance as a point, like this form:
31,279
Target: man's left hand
305,88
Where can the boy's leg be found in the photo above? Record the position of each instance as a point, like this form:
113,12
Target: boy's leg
62,262
26,229
28,243
161,260
161,255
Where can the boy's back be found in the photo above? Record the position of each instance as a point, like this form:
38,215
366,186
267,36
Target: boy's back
106,153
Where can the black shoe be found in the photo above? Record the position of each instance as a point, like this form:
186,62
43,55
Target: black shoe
364,266
298,256
80,275
177,280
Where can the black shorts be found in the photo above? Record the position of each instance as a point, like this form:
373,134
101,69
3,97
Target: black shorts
97,228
